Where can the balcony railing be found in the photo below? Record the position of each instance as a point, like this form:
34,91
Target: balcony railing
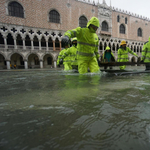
26,48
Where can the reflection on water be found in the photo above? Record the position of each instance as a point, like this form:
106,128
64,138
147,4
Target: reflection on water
53,109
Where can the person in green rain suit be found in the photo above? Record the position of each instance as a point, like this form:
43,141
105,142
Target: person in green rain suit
146,54
108,56
87,46
72,51
123,54
67,60
59,58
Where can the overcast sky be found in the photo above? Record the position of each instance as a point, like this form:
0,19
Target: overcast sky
140,7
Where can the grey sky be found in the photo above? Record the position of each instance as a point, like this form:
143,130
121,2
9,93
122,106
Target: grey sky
140,7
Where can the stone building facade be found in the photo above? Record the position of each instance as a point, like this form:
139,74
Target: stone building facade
31,31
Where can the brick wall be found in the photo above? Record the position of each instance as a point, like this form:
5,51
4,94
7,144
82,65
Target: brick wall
36,15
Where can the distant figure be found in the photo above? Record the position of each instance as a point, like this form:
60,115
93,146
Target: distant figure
146,54
67,60
123,54
72,51
15,66
108,56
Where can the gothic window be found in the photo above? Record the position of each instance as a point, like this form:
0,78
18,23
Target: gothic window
10,40
54,16
82,22
104,26
118,18
126,20
27,41
122,29
15,9
1,39
139,32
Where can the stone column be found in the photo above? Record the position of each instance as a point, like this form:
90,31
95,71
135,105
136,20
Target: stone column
5,42
8,64
47,45
103,48
39,44
24,46
41,64
55,64
115,49
25,64
53,45
15,44
32,46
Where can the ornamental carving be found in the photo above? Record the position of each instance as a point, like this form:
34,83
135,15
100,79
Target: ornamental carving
104,12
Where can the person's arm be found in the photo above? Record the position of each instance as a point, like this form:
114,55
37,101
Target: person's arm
66,53
59,57
119,55
73,33
131,52
144,51
96,51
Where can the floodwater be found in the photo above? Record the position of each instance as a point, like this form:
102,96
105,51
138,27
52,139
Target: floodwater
57,110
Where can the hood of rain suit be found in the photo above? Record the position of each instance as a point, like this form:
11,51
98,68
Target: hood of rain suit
94,21
107,48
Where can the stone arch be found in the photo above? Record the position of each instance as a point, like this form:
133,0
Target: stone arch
48,60
27,56
33,60
1,53
17,59
19,53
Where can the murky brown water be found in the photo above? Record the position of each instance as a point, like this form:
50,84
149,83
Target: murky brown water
56,110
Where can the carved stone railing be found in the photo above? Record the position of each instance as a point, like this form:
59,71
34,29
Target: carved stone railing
26,48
